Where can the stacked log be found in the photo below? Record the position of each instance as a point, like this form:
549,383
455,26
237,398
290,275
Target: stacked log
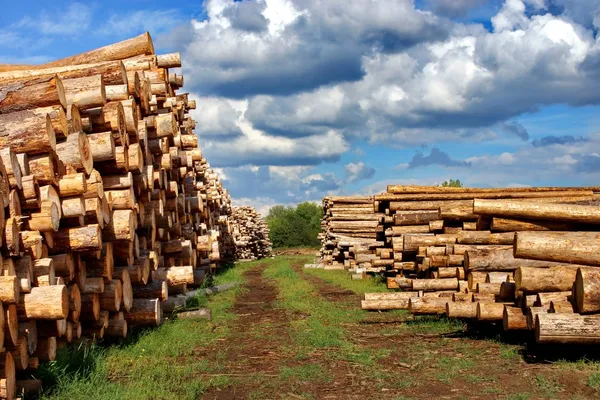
250,233
351,234
528,263
109,207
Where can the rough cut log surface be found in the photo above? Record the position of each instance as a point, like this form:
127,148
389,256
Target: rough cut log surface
568,247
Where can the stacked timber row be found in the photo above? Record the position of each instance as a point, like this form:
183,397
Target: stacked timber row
250,233
351,234
109,210
429,229
533,269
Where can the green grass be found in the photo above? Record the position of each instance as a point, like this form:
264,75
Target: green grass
594,381
548,387
342,279
152,363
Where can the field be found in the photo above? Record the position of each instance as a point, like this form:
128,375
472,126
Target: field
289,333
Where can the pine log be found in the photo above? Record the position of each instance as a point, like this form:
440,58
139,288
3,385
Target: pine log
567,328
554,279
31,93
534,210
46,349
514,319
501,260
174,275
461,309
569,247
516,225
7,376
587,290
427,305
48,302
27,132
85,238
484,237
490,311
144,312
156,289
113,72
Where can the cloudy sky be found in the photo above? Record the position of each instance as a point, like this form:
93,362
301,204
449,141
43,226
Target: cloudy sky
302,98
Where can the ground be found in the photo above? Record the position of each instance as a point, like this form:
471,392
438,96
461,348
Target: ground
289,333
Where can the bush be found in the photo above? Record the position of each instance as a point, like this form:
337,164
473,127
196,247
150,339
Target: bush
452,183
295,226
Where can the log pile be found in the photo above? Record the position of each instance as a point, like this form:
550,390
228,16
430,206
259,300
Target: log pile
250,233
351,234
522,258
110,211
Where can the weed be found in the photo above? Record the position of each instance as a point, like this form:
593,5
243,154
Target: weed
594,381
549,387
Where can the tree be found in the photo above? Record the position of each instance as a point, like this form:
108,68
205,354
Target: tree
452,183
295,226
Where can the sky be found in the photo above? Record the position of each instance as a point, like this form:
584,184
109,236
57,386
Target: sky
298,99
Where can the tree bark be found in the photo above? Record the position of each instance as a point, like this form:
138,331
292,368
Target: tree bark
569,247
567,329
534,210
31,93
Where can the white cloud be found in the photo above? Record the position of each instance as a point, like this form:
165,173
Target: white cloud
358,171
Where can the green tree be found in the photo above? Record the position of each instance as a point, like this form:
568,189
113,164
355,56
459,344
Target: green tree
295,226
452,183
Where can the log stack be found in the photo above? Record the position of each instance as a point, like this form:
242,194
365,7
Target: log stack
110,209
250,233
527,261
351,234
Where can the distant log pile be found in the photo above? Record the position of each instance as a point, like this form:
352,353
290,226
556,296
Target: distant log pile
250,233
351,232
525,258
110,211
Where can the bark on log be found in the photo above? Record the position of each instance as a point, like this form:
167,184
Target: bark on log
514,319
202,313
567,328
569,247
427,305
501,260
461,309
48,302
587,290
31,93
534,210
144,312
554,279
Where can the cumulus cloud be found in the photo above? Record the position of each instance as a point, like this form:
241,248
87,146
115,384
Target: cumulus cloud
358,171
435,157
215,118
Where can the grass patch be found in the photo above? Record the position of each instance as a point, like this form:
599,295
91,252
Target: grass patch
342,279
151,363
594,381
306,373
548,387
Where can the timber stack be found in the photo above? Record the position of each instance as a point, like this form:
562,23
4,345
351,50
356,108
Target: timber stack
351,233
110,211
250,233
522,258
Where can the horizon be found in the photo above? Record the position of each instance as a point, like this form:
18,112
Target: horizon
299,99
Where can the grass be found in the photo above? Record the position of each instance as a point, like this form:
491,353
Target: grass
548,387
152,363
594,381
342,279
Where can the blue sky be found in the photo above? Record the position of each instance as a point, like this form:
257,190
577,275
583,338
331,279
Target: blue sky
303,98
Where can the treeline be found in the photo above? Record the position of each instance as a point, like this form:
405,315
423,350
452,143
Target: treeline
295,226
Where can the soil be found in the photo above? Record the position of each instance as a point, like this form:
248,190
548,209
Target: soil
259,346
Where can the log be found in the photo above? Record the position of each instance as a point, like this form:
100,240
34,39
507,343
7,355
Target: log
139,45
113,72
9,289
48,302
567,329
202,313
85,238
569,247
116,327
490,311
516,225
76,152
553,279
85,93
27,94
534,210
435,284
461,309
153,290
485,237
7,376
174,275
110,298
415,217
27,132
514,319
586,290
144,312
427,305
46,350
501,260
